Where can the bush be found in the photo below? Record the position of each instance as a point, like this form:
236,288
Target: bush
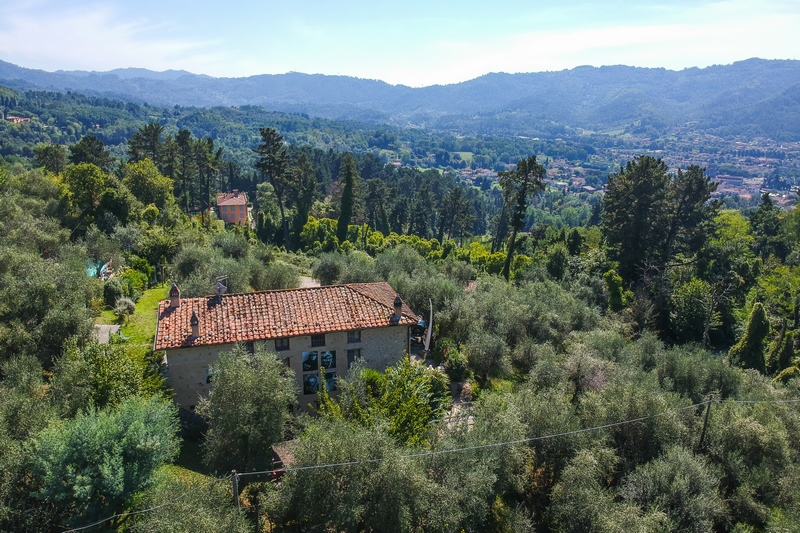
456,366
277,275
124,307
231,244
134,283
112,291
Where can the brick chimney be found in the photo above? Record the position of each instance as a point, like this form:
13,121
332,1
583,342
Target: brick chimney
195,322
398,307
174,296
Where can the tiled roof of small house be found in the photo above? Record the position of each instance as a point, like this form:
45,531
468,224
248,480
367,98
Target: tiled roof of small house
232,198
267,315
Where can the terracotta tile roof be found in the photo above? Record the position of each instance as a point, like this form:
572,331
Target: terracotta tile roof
267,315
232,198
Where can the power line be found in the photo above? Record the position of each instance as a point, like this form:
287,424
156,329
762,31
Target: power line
131,513
437,452
476,447
758,401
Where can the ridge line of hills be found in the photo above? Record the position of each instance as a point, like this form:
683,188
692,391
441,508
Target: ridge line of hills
751,98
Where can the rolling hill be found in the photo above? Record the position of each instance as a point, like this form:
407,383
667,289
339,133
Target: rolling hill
752,97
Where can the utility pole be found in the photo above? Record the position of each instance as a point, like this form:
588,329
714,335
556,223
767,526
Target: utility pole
235,480
705,423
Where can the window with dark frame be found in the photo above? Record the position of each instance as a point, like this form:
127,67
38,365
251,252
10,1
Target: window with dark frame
354,336
352,355
282,344
318,340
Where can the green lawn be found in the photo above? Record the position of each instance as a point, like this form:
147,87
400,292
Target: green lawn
466,156
140,328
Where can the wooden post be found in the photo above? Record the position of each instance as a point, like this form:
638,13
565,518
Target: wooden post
705,423
235,480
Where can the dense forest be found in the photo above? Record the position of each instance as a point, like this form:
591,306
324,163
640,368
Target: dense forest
64,118
602,362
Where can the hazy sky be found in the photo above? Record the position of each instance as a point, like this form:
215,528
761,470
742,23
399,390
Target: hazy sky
414,42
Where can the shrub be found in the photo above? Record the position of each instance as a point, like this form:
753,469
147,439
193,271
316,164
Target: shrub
124,307
456,366
112,291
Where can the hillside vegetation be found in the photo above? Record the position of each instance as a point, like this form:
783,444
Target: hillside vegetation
752,97
601,362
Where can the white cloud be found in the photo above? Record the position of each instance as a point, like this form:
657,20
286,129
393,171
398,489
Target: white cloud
712,34
93,39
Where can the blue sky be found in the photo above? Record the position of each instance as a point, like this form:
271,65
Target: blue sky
415,43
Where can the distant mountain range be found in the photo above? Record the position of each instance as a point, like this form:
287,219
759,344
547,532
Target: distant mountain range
751,98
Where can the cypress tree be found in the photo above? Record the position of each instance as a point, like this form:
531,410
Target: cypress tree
349,175
749,351
781,355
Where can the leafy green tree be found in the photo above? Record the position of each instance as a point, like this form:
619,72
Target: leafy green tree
767,227
272,163
751,446
634,210
575,242
411,401
91,150
146,144
208,160
488,355
557,261
348,176
409,397
207,506
23,414
524,182
691,302
47,302
423,210
86,183
304,192
650,216
749,351
147,184
386,495
248,409
680,484
583,501
185,168
96,375
53,157
90,466
376,200
690,213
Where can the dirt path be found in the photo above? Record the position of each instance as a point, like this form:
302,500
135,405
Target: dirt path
104,332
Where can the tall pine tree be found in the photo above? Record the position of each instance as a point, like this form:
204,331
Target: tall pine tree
348,174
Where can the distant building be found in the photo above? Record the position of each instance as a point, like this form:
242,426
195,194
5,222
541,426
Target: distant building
733,181
232,207
17,120
309,328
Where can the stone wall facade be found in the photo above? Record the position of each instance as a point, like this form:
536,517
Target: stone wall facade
189,370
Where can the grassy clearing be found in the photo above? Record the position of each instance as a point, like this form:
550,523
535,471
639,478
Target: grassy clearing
140,328
466,156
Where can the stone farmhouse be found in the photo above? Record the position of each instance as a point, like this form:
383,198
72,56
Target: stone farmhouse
309,328
232,207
